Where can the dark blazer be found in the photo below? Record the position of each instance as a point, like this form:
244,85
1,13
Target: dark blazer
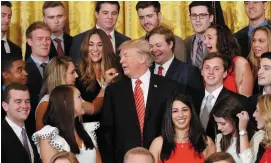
15,50
78,39
13,150
119,125
189,47
53,51
34,84
211,129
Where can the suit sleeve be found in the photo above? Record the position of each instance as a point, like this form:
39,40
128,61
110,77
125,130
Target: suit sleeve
194,78
106,133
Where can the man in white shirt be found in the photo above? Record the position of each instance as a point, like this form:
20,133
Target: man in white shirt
106,13
7,47
214,70
38,36
15,143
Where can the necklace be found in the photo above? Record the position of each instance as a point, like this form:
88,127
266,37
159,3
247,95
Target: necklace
182,141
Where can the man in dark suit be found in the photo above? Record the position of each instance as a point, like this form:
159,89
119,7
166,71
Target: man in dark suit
255,11
201,17
214,70
38,38
54,15
7,47
264,78
12,71
106,13
15,143
134,106
149,13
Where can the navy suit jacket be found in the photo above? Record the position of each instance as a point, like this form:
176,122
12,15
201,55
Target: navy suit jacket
53,52
120,129
78,39
15,50
13,150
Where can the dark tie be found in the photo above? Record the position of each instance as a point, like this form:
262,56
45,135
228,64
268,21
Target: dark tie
204,118
110,39
59,50
199,54
43,66
25,143
160,71
140,106
3,50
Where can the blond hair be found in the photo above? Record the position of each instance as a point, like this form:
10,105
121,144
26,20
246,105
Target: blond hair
265,112
138,151
252,58
142,47
64,155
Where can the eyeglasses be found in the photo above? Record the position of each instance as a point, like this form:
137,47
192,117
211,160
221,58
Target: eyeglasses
195,16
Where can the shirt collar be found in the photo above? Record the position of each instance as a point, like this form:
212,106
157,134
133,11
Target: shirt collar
215,93
166,64
17,129
39,62
5,38
112,33
251,28
59,37
145,78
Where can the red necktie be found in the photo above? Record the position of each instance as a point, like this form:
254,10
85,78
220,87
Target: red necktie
59,49
140,106
110,39
160,70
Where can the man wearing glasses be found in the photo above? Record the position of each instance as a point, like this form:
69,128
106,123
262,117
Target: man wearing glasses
201,17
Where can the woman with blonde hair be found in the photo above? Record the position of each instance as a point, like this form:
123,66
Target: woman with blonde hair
97,59
263,117
260,43
64,157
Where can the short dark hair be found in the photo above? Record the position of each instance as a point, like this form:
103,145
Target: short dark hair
202,3
217,55
50,4
7,62
266,55
144,4
99,3
6,3
36,25
219,156
168,34
13,86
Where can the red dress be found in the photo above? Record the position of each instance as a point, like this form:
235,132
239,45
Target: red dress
266,156
184,153
229,81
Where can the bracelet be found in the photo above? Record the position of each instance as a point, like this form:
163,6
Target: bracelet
243,132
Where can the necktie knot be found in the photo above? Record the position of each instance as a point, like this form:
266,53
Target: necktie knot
109,36
43,65
57,40
138,82
199,42
209,97
160,70
59,48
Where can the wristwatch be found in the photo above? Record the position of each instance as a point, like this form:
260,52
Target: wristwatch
243,132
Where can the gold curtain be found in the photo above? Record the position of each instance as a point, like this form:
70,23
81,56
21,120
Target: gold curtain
81,18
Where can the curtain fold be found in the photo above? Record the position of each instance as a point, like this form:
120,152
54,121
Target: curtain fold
81,17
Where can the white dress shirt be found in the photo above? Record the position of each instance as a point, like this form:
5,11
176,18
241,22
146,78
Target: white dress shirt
215,94
145,79
6,45
18,131
165,66
60,38
112,34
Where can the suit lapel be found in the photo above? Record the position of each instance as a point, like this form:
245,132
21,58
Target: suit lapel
33,67
172,68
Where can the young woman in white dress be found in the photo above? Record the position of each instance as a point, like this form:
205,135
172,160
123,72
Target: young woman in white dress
62,129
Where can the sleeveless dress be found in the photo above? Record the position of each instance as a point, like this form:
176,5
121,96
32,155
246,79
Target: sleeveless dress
266,156
229,81
59,143
184,153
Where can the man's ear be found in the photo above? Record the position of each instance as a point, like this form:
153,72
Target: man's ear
5,106
5,74
225,74
29,41
96,14
160,17
211,18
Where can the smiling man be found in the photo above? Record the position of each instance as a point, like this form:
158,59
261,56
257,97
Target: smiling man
201,17
150,16
106,13
255,11
55,17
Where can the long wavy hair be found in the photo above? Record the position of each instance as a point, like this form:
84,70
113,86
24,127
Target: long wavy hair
60,114
228,110
55,74
86,69
197,136
252,58
265,112
226,44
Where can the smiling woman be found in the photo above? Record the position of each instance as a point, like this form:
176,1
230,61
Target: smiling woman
181,130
